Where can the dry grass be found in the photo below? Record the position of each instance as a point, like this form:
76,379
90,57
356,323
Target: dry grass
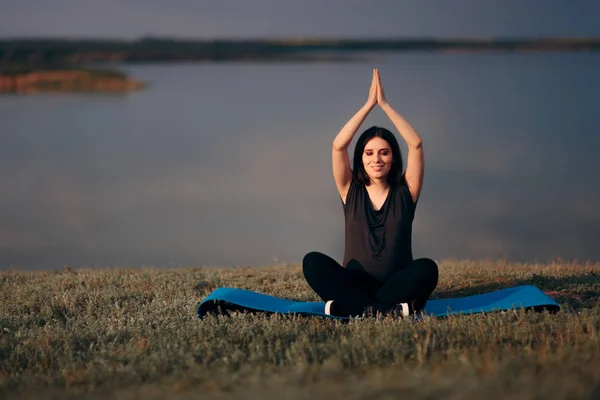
134,334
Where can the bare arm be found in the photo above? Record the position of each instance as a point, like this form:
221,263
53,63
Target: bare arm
415,166
342,173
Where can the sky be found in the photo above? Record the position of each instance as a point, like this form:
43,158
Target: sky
131,19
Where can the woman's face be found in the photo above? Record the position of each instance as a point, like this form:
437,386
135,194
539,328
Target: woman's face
377,158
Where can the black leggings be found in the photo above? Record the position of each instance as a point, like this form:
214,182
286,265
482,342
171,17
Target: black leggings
355,291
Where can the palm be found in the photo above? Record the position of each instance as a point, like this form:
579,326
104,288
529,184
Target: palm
381,100
372,100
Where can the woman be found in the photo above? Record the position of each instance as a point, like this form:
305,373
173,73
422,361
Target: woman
378,273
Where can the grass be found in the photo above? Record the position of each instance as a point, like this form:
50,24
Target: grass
133,333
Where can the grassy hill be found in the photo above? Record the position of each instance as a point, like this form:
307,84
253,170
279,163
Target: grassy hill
133,333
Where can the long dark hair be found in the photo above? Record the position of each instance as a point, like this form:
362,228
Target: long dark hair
358,170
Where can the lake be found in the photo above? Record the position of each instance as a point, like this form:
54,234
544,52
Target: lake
230,163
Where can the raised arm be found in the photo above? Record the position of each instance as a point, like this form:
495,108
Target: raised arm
415,166
342,173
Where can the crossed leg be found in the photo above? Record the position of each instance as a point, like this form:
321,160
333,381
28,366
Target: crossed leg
355,291
415,282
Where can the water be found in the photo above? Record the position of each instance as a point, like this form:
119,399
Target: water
230,164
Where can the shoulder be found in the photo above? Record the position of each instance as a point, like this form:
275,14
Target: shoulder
354,191
403,191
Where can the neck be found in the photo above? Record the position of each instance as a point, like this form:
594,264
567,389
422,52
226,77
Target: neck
379,184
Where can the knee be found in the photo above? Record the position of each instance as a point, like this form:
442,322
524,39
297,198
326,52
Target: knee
310,262
430,268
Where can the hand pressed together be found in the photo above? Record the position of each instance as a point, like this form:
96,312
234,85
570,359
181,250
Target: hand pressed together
376,93
372,100
381,100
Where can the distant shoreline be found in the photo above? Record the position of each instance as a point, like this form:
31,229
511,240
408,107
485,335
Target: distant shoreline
27,79
33,65
80,51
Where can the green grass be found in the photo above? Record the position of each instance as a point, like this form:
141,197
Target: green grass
133,333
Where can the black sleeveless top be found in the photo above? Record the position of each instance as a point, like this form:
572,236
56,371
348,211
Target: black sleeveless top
378,242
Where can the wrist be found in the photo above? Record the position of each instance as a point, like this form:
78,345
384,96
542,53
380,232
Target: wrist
385,106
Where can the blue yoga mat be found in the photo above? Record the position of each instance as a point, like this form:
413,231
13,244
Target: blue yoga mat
525,296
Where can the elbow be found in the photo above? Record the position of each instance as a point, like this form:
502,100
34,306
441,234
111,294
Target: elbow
338,147
417,145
